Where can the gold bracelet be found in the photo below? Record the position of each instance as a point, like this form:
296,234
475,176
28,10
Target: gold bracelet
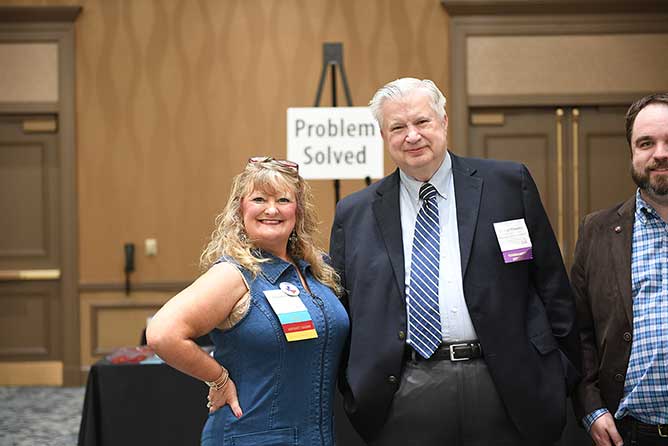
221,381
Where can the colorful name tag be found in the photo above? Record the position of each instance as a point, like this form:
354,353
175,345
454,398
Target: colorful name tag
293,315
514,240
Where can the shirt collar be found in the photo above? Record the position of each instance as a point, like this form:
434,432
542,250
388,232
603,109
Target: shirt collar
440,180
275,267
644,210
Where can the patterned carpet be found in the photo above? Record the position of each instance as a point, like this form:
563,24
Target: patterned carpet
40,416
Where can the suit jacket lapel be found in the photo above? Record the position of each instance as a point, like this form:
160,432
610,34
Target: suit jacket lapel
388,218
468,190
620,247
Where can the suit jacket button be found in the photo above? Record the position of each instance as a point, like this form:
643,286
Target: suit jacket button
619,377
627,336
402,335
392,379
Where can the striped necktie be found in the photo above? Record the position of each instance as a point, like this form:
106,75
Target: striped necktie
424,321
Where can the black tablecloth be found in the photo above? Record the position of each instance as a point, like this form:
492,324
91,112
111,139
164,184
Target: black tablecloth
154,404
141,404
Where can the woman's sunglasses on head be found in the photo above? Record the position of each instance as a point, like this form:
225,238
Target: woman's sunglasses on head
266,159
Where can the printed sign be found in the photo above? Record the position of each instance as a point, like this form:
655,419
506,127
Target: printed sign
335,142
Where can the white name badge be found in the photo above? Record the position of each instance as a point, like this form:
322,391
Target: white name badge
514,240
292,314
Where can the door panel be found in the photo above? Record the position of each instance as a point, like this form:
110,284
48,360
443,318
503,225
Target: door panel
532,150
29,244
527,136
588,143
606,159
580,161
29,321
28,198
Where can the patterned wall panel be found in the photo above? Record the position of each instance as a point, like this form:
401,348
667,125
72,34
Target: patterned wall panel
174,95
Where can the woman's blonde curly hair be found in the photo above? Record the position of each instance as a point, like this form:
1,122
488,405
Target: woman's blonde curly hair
229,238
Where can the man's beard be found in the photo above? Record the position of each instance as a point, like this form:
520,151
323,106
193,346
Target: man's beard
656,186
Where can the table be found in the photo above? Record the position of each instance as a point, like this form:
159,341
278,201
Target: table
141,404
146,404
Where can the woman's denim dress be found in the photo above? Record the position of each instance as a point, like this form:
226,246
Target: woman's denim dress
285,389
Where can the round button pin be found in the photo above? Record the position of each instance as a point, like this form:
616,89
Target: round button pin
289,288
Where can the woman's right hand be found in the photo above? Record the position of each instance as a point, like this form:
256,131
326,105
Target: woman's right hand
226,395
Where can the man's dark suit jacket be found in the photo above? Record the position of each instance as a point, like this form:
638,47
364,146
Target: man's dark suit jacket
523,312
601,277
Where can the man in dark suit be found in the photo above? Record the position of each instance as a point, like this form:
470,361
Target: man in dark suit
620,277
463,331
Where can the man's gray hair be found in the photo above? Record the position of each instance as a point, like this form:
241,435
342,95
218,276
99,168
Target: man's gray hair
401,88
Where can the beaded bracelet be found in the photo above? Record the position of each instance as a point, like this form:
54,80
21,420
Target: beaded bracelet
221,381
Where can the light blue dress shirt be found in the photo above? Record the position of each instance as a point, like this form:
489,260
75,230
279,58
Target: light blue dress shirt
456,322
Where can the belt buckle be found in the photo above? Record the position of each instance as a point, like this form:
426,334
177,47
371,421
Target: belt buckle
660,428
452,352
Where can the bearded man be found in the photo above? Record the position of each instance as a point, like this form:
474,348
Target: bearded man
620,278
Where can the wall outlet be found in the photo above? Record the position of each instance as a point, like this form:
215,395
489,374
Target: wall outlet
151,247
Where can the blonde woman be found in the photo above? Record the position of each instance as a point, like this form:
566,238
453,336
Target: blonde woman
269,302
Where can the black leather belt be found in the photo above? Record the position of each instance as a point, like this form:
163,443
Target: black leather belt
660,430
458,351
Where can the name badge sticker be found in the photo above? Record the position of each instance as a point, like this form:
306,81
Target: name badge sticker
514,240
292,314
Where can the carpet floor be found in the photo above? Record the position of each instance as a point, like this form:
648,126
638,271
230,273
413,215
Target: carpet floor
40,416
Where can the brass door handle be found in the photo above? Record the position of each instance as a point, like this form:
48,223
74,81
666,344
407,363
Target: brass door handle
29,274
576,170
560,178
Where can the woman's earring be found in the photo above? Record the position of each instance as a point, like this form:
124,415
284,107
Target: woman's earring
292,240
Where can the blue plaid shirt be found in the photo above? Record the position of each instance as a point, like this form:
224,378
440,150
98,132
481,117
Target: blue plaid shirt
646,386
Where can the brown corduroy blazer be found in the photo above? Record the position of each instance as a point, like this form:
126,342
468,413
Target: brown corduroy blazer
601,278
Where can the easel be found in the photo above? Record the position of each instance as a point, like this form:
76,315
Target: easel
332,57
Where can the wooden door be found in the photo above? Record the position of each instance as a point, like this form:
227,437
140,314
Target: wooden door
528,136
601,177
30,301
578,157
579,160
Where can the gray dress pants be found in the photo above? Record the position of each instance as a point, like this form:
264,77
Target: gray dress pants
446,403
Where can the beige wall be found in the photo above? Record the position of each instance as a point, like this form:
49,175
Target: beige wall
173,96
566,64
29,72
